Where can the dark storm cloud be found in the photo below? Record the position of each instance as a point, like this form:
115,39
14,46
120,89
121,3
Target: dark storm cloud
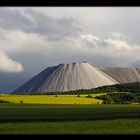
36,22
9,82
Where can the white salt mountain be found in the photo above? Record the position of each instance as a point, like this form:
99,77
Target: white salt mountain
74,76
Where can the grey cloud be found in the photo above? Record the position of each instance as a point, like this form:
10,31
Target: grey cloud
36,22
13,19
2,35
53,27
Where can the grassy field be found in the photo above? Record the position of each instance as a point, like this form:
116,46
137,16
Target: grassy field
46,118
118,126
51,99
36,112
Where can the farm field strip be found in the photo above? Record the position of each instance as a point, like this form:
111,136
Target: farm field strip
118,126
36,112
51,99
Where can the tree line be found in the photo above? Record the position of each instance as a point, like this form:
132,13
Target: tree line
120,98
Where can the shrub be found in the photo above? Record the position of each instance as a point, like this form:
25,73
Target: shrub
21,102
78,95
89,96
2,101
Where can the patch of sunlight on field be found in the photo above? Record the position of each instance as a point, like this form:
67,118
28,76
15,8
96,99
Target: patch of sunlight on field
51,99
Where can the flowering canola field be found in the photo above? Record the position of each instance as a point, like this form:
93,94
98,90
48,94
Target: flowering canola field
51,99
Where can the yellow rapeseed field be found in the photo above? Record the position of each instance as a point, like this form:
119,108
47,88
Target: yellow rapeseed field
51,99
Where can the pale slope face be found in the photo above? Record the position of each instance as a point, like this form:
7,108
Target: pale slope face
123,75
67,77
75,76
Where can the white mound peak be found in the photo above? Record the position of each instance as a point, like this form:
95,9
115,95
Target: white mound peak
74,76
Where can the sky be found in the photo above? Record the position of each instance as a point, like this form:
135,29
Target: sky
34,38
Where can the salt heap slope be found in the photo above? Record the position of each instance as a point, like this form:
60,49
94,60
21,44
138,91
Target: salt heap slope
67,77
123,75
